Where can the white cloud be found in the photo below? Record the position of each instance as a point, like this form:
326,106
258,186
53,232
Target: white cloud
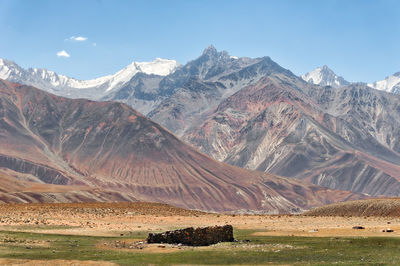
77,38
94,44
63,53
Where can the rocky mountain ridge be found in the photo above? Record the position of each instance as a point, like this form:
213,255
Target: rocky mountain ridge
324,76
342,138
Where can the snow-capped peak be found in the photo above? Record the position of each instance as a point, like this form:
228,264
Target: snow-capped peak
9,69
324,76
51,81
389,84
158,66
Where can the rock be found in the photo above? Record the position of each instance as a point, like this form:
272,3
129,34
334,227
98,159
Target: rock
194,237
358,227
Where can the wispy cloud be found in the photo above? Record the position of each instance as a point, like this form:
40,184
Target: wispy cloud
94,44
63,53
77,39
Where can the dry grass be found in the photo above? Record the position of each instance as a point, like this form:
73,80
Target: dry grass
389,207
53,262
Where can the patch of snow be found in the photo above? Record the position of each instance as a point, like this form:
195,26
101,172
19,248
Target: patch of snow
389,84
325,77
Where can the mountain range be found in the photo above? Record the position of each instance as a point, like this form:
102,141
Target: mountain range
389,84
345,138
324,76
55,149
95,89
254,114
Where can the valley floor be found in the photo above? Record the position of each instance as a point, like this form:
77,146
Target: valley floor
91,234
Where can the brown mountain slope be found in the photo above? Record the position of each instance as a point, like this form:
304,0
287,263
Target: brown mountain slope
371,207
110,147
344,138
23,188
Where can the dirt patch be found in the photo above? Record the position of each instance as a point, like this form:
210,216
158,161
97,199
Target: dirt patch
139,246
332,232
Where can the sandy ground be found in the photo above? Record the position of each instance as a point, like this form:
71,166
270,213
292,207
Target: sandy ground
116,219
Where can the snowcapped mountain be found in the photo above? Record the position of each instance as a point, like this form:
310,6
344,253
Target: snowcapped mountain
389,84
199,86
94,89
252,113
324,76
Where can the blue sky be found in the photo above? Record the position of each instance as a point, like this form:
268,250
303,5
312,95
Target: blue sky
358,39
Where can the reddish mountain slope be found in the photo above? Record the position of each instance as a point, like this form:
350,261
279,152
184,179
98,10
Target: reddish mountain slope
345,138
108,151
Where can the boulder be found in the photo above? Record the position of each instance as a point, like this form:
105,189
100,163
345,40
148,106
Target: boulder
358,227
194,237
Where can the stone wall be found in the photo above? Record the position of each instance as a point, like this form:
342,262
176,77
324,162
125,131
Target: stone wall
194,237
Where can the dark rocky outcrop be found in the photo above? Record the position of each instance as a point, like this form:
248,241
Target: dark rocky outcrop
194,237
44,173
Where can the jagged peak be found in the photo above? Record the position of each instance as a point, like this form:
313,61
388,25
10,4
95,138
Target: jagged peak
324,76
210,49
212,52
325,69
7,62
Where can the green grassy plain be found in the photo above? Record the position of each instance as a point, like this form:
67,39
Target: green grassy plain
260,250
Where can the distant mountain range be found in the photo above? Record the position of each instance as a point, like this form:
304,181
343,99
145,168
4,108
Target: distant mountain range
389,84
324,76
54,149
95,89
252,113
153,87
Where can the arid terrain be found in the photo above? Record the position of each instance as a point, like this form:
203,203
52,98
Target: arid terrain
114,219
32,234
384,207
